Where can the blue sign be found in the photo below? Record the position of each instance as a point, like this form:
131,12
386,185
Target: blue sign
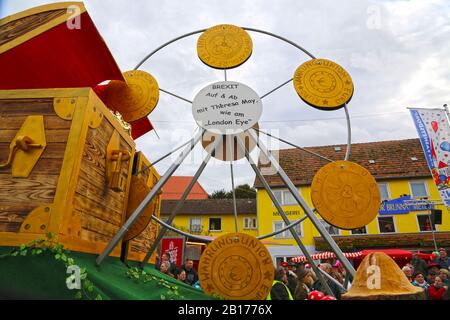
404,205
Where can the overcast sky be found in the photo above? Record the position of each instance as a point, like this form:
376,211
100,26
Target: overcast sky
397,52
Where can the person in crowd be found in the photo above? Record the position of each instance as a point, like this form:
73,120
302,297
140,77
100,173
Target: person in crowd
279,290
191,274
333,286
443,260
182,276
419,281
302,289
437,290
164,268
444,275
431,275
291,277
408,273
419,265
172,267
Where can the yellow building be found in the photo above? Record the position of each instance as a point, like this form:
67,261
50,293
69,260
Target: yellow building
400,169
213,217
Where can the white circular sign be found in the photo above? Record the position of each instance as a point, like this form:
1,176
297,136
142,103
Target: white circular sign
226,107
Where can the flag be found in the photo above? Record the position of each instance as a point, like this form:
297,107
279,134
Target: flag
434,133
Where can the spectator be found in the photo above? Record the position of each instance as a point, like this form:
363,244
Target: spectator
302,289
437,290
182,276
164,268
279,290
419,264
444,275
443,260
431,276
172,267
291,278
191,274
408,273
419,281
333,286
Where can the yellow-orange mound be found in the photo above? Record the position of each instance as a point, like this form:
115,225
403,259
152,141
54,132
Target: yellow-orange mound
379,278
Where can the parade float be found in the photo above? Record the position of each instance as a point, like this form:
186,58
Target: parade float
71,178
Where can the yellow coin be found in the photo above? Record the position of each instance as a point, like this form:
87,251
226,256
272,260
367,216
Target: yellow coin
134,99
345,195
236,266
323,84
224,46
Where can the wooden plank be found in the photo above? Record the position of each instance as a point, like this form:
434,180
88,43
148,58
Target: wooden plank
16,28
94,237
58,135
54,150
97,210
42,167
22,107
35,190
15,122
94,186
10,227
98,226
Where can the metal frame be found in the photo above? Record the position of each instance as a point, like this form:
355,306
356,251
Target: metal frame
289,225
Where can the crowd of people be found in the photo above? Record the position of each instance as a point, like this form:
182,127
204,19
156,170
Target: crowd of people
297,281
186,274
433,277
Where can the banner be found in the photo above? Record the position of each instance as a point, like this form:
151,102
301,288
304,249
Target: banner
434,133
174,246
404,205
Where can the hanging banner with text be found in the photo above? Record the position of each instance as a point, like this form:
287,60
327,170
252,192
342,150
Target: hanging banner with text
434,133
174,247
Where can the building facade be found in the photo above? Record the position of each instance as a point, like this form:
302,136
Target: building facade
213,217
402,174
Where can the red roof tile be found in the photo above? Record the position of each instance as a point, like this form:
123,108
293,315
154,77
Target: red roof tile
175,186
392,160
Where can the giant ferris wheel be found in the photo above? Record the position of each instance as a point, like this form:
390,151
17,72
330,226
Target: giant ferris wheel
227,112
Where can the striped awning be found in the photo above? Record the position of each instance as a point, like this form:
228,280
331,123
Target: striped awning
327,255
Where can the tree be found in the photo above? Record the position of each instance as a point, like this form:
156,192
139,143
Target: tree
243,191
219,194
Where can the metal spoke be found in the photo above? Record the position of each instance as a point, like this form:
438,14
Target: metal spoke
140,209
349,136
180,203
293,224
231,154
172,228
299,199
175,95
293,145
283,215
162,158
275,89
225,73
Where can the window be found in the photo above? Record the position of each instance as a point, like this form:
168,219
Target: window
424,222
195,224
278,225
362,230
331,229
250,223
215,224
418,189
384,191
284,197
386,224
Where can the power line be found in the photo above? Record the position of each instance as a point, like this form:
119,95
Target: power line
359,116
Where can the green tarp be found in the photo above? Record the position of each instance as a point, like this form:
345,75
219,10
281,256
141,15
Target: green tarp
43,277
